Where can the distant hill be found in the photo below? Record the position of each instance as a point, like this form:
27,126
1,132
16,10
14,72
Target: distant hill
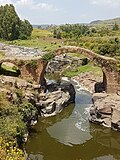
106,22
96,22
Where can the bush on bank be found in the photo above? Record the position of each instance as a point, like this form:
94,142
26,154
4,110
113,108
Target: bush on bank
15,117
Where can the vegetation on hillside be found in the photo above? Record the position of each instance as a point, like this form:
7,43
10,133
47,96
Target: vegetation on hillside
11,27
42,39
106,22
102,40
85,66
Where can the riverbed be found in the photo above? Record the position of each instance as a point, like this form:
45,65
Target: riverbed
70,136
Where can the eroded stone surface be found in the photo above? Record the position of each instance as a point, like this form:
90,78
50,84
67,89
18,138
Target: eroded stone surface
48,103
106,110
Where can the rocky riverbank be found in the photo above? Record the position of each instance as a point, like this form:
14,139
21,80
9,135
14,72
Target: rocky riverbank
30,101
106,110
12,50
106,107
88,80
56,94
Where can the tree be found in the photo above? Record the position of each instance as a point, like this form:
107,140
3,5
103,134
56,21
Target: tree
115,27
9,23
25,29
57,34
1,19
11,27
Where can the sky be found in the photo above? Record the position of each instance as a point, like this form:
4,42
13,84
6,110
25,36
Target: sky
65,11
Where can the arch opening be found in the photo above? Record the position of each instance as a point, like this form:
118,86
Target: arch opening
88,57
9,69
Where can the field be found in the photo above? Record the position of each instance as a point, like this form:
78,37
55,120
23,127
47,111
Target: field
42,39
82,69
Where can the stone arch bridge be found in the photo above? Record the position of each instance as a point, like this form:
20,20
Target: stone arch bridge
33,68
110,66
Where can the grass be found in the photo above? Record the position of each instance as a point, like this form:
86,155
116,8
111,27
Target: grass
82,69
37,33
76,55
42,39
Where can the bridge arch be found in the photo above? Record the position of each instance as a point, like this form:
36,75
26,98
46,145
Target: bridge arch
111,74
31,68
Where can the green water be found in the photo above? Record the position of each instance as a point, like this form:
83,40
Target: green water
70,136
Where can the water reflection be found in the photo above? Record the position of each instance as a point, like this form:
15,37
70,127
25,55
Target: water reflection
75,129
70,136
95,148
105,137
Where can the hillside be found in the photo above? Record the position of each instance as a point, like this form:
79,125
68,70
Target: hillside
106,22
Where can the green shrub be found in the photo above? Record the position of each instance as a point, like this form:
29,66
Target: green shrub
48,56
9,151
27,111
19,93
18,126
32,64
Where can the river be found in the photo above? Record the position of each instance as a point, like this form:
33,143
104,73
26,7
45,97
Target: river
70,136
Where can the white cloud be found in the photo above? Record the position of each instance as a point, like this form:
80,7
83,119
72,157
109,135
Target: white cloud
31,4
24,2
46,6
3,2
107,3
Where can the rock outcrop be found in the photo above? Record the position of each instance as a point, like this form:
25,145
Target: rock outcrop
53,101
88,80
106,110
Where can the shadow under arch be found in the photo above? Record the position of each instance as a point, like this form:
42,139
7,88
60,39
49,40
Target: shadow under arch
101,86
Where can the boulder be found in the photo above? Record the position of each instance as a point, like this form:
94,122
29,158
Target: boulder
51,108
115,115
53,102
106,110
68,87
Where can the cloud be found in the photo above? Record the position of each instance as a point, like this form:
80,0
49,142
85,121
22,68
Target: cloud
31,4
3,2
108,3
46,6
